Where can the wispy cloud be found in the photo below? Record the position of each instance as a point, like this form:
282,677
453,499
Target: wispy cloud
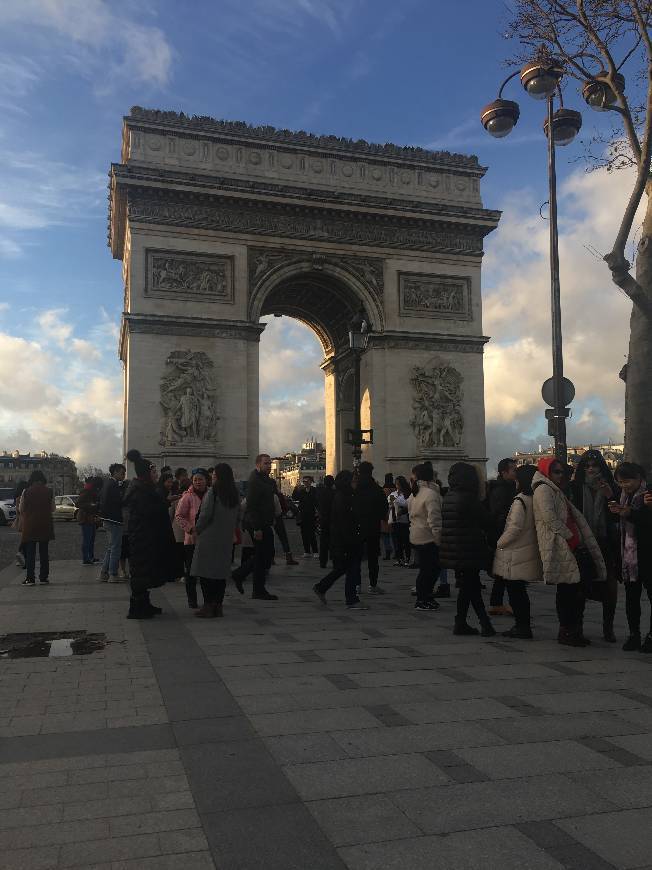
100,35
36,193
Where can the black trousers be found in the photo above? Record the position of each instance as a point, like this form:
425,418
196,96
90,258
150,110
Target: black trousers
402,546
308,537
191,582
212,590
350,567
497,592
519,601
428,570
570,601
260,561
633,592
30,559
324,547
140,585
371,549
282,534
470,595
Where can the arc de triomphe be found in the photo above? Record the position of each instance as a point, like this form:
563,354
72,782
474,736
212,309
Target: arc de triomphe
218,223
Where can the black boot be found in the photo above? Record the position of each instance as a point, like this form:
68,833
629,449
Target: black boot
155,611
138,608
522,632
633,642
487,628
463,628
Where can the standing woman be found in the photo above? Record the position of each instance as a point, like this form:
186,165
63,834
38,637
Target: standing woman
517,559
36,510
186,515
425,534
466,524
398,502
21,486
562,534
218,519
591,489
151,543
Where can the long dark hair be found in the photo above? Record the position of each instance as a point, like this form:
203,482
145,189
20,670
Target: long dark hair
344,480
403,485
224,487
36,477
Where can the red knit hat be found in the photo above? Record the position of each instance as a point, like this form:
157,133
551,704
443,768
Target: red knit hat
544,465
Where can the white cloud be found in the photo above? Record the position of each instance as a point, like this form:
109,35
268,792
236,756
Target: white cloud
85,350
595,315
53,327
96,34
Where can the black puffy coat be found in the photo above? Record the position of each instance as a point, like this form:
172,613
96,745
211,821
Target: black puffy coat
325,496
344,530
151,540
500,495
370,506
466,522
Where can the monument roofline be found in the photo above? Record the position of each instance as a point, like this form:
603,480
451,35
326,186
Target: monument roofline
271,136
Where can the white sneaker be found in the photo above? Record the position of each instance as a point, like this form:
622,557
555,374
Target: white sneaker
376,590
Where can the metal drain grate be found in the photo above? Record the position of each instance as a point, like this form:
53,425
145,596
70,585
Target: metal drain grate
50,644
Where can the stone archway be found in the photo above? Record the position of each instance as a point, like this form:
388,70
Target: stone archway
218,223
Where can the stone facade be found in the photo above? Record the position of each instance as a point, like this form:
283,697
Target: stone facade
219,223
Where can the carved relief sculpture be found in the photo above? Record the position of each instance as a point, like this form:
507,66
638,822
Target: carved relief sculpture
188,408
189,276
437,418
435,296
262,261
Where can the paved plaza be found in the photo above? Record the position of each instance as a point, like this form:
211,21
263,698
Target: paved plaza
290,735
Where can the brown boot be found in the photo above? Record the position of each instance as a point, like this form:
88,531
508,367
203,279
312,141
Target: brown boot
208,611
569,636
289,560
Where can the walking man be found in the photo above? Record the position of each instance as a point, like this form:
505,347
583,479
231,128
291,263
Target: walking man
307,501
259,522
371,508
111,514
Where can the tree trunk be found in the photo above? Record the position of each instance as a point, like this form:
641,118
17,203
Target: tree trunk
638,390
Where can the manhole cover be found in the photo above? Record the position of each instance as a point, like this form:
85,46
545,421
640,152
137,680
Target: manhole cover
50,644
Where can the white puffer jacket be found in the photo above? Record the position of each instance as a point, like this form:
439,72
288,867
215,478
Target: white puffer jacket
517,551
550,512
424,509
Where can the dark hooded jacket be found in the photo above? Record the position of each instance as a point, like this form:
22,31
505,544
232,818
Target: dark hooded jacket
151,539
500,495
466,522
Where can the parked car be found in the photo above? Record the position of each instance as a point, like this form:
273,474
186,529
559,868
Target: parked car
65,507
7,506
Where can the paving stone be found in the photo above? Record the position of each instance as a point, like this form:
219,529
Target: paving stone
471,805
549,727
366,819
628,789
580,702
503,848
305,721
638,744
414,738
530,759
44,858
356,776
283,837
114,849
187,861
152,822
54,834
301,748
452,711
624,839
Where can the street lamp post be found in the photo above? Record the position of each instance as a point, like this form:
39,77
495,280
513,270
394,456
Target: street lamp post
541,79
358,340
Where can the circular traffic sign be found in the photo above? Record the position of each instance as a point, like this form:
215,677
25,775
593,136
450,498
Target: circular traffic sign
567,392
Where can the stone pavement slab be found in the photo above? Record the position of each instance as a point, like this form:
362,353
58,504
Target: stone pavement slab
291,735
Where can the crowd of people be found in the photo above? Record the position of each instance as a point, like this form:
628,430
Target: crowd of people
583,530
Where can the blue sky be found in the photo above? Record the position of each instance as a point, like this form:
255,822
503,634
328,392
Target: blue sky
417,73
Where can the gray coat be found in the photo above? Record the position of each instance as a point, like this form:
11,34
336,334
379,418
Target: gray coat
215,527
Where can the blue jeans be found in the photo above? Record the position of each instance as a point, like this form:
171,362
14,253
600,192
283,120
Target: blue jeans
111,559
88,541
387,542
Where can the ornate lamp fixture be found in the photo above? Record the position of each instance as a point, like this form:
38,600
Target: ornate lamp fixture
598,93
541,76
359,332
566,124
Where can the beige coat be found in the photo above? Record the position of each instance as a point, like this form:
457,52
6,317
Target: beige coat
517,551
550,512
424,509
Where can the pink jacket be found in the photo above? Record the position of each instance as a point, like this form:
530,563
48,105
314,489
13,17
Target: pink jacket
186,514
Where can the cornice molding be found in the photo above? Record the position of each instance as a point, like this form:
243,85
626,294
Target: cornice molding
165,324
436,342
265,134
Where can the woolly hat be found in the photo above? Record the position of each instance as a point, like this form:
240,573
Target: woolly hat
543,465
141,464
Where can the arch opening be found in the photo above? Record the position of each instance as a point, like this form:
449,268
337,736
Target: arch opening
325,305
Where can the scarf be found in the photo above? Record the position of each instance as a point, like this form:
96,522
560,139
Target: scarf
594,506
628,536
